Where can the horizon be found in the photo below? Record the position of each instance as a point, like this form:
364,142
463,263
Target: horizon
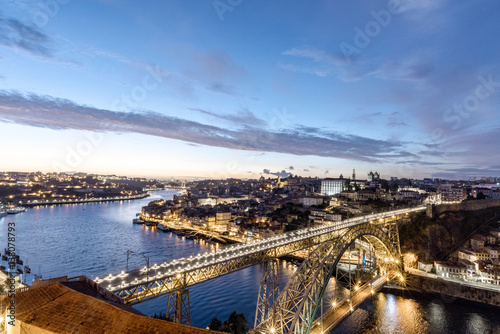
247,89
266,176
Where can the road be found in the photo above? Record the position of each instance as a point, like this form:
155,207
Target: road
343,309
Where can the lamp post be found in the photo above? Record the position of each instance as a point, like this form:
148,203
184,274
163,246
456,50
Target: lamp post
145,257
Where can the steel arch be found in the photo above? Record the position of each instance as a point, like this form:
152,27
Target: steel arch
298,302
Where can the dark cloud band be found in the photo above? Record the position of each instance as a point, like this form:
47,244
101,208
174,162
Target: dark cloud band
54,113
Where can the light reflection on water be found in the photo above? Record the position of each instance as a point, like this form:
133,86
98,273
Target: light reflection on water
387,313
93,239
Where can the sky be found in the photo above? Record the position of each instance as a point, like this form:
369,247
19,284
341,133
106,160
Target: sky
238,88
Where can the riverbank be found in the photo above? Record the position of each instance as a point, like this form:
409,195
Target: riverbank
484,294
81,201
448,290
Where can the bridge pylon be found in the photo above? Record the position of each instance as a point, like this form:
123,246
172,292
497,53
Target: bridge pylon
178,307
268,293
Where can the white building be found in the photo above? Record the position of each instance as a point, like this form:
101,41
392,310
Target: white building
331,186
311,200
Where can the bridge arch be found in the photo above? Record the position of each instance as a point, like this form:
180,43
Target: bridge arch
298,302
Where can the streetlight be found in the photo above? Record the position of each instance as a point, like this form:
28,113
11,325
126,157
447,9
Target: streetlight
147,262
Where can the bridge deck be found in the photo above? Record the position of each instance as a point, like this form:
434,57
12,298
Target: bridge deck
139,285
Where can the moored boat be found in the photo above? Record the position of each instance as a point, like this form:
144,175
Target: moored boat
14,209
163,228
137,221
3,214
150,223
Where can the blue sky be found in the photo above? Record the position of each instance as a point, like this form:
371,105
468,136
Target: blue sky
231,88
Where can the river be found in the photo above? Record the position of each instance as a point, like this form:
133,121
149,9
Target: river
93,239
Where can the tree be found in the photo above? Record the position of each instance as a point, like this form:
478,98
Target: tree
235,324
161,316
480,195
215,324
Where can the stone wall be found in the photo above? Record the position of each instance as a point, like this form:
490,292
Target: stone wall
450,290
474,205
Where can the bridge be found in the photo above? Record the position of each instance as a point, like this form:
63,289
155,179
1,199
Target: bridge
290,310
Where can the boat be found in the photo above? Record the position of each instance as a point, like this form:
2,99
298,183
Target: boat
14,210
3,214
137,221
163,228
190,236
149,223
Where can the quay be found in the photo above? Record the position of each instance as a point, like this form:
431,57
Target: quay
185,230
81,201
485,293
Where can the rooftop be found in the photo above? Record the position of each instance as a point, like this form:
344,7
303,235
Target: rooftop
76,307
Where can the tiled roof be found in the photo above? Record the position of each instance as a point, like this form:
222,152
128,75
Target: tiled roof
57,308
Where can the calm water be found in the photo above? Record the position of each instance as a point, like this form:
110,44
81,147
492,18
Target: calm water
93,239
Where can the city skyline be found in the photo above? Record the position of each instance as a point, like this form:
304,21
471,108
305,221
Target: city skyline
238,89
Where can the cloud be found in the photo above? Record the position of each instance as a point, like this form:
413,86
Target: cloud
305,69
17,35
243,117
323,64
316,55
221,88
414,68
54,113
291,168
282,174
396,123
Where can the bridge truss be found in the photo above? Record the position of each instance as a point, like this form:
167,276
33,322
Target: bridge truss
175,277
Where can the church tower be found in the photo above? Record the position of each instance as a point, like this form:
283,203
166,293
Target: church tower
354,174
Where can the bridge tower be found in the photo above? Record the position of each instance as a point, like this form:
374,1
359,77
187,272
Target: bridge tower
178,309
268,292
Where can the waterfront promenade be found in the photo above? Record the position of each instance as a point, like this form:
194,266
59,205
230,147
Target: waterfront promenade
471,284
79,201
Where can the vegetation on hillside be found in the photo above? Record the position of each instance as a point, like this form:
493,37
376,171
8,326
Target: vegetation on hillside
430,239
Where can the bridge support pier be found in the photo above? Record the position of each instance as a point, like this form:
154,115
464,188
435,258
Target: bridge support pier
268,293
178,307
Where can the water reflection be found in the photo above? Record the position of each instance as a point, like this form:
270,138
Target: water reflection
388,313
93,239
